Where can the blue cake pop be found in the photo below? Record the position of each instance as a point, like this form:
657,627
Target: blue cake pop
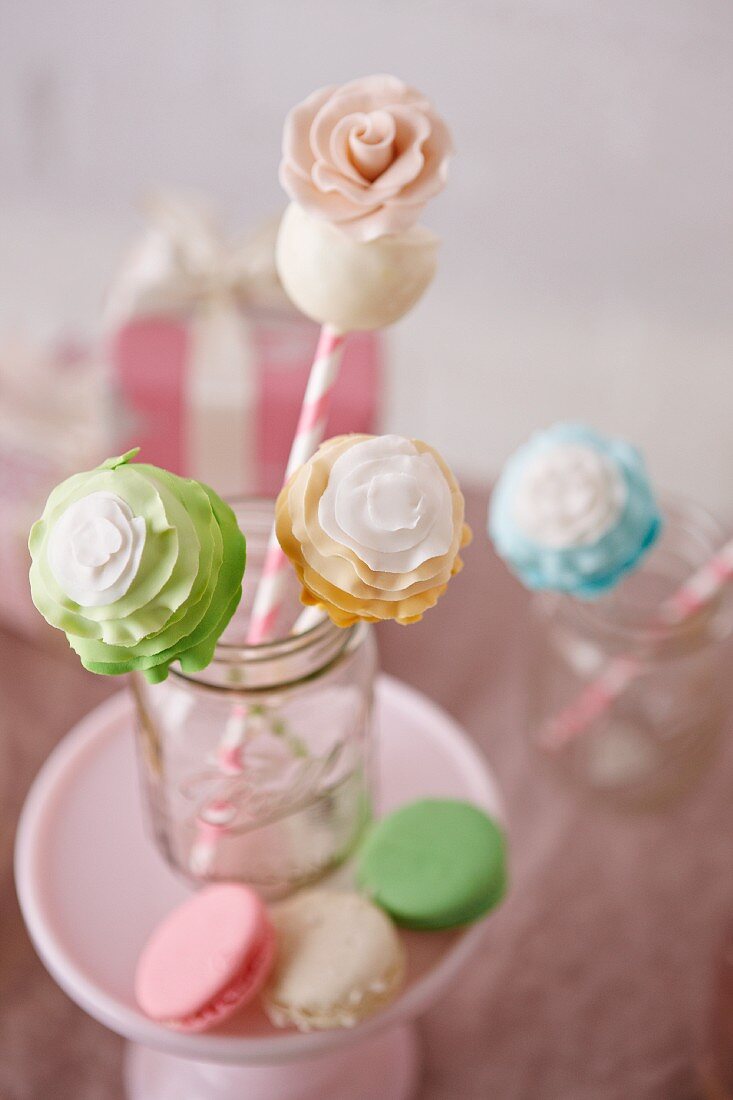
573,511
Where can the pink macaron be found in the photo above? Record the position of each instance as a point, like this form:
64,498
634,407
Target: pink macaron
206,959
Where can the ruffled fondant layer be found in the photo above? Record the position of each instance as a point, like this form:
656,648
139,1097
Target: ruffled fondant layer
185,588
333,573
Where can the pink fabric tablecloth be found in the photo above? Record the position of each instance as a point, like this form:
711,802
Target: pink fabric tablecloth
595,977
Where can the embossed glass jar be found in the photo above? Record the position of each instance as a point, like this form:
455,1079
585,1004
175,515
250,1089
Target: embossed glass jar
258,768
652,736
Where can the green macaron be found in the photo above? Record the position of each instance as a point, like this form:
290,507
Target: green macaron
437,863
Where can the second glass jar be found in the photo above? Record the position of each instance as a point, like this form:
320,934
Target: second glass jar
651,738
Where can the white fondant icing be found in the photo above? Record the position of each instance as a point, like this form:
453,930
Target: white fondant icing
95,542
569,495
395,501
94,549
352,284
389,504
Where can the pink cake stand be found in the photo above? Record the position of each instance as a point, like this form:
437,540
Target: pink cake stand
92,886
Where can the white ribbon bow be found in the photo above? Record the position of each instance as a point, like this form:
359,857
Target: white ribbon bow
184,266
183,260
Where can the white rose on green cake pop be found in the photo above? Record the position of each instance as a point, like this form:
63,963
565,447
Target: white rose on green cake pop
138,567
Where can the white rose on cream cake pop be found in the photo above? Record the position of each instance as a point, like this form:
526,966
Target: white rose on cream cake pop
360,161
373,526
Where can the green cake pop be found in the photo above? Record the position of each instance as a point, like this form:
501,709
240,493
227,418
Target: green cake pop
139,567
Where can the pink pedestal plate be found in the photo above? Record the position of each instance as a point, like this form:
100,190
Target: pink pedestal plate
92,886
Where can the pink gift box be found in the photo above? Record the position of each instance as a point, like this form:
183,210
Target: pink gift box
240,440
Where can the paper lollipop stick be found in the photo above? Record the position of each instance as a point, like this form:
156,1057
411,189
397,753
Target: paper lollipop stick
616,676
214,821
309,434
212,824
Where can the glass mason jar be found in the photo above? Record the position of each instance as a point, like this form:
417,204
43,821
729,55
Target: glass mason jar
258,768
648,741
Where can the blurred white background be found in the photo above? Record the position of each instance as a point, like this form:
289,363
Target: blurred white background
587,266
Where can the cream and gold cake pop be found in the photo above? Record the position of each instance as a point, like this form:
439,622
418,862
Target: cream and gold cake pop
373,526
360,161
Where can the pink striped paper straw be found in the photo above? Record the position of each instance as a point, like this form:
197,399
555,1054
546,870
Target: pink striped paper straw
615,677
211,825
228,754
308,436
270,592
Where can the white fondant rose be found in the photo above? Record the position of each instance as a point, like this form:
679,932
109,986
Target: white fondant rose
95,548
373,527
390,504
568,496
365,156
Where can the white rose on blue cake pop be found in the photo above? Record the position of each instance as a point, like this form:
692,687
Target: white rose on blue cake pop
573,511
